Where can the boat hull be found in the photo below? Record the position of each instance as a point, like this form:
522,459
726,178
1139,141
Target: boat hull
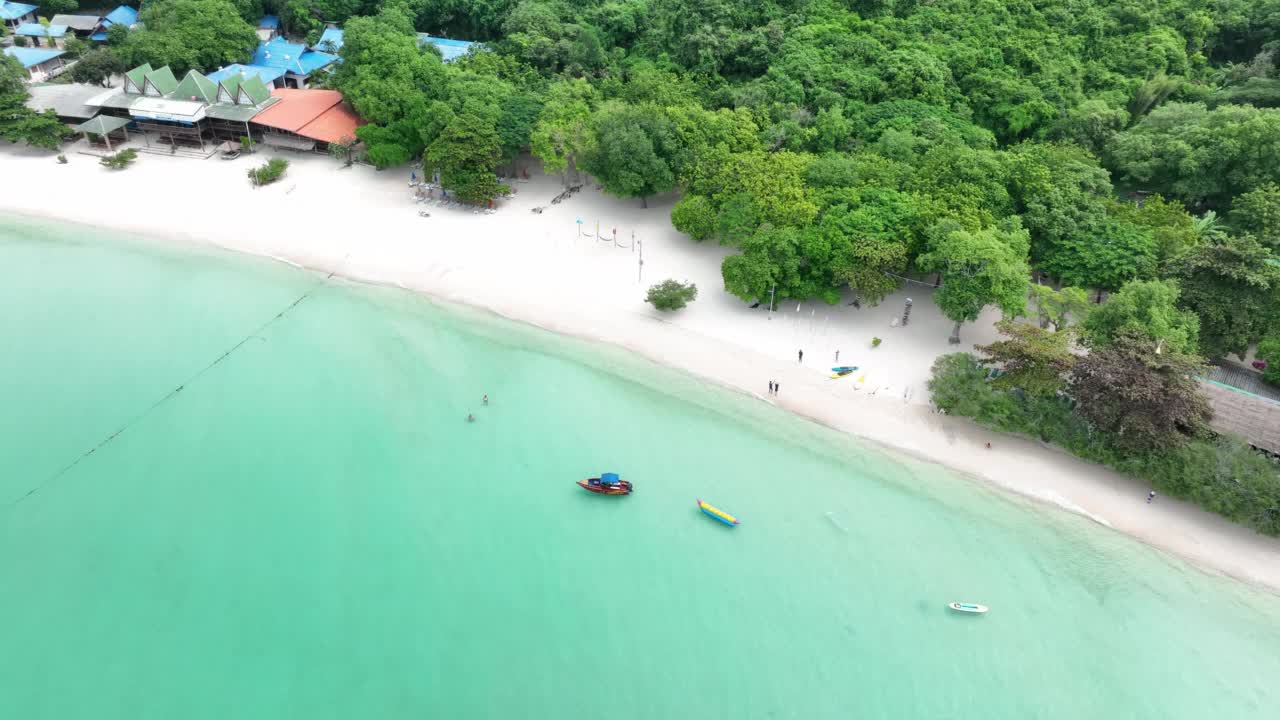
717,514
622,488
968,607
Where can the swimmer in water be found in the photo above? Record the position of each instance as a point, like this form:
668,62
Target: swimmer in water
485,400
471,418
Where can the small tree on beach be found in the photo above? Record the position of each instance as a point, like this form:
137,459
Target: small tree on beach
344,150
1032,358
120,160
987,267
631,151
269,172
958,385
466,153
671,295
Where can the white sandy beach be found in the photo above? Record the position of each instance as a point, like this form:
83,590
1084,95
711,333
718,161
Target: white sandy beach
535,268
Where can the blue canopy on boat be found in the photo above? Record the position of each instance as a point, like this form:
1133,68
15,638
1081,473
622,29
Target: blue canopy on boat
609,478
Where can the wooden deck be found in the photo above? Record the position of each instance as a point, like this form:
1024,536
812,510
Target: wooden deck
1253,417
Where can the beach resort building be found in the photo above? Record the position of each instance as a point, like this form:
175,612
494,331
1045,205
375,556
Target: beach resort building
294,62
279,63
450,50
307,120
38,35
40,63
122,15
331,42
69,101
268,28
82,26
13,14
192,114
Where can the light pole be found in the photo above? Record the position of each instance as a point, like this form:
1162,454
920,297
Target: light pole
771,289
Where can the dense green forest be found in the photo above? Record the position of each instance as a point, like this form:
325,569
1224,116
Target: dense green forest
838,145
841,145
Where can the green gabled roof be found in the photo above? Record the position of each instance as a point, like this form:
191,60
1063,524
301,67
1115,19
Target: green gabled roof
138,75
231,84
197,86
162,80
102,124
253,87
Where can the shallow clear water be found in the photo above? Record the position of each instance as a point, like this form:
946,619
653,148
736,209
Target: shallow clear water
309,529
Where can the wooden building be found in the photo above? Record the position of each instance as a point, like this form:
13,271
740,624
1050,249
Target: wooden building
307,120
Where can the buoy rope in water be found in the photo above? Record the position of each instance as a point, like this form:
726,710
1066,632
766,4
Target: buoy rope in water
174,391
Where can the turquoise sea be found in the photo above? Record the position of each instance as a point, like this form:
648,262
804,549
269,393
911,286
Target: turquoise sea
309,529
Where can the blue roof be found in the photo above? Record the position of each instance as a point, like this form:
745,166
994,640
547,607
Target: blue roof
269,21
449,49
13,10
331,35
30,57
99,37
37,30
123,15
268,74
293,57
312,61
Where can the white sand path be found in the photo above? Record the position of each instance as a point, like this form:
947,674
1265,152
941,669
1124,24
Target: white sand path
535,268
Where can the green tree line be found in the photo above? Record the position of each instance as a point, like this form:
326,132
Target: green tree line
839,146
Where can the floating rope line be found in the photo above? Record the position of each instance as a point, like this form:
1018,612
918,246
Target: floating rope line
105,441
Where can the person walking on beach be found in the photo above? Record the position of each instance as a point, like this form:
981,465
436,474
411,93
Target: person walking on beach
770,387
837,356
800,355
1151,496
775,389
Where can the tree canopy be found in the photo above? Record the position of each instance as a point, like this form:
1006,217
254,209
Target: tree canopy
1233,286
838,148
1146,308
1140,398
987,267
187,35
18,123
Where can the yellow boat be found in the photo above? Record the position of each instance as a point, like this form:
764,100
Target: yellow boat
717,513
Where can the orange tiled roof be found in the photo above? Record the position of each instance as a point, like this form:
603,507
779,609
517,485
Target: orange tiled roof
316,114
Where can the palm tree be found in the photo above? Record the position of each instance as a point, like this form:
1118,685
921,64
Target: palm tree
1208,228
44,24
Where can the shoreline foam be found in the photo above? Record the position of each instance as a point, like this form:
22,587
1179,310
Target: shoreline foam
361,225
